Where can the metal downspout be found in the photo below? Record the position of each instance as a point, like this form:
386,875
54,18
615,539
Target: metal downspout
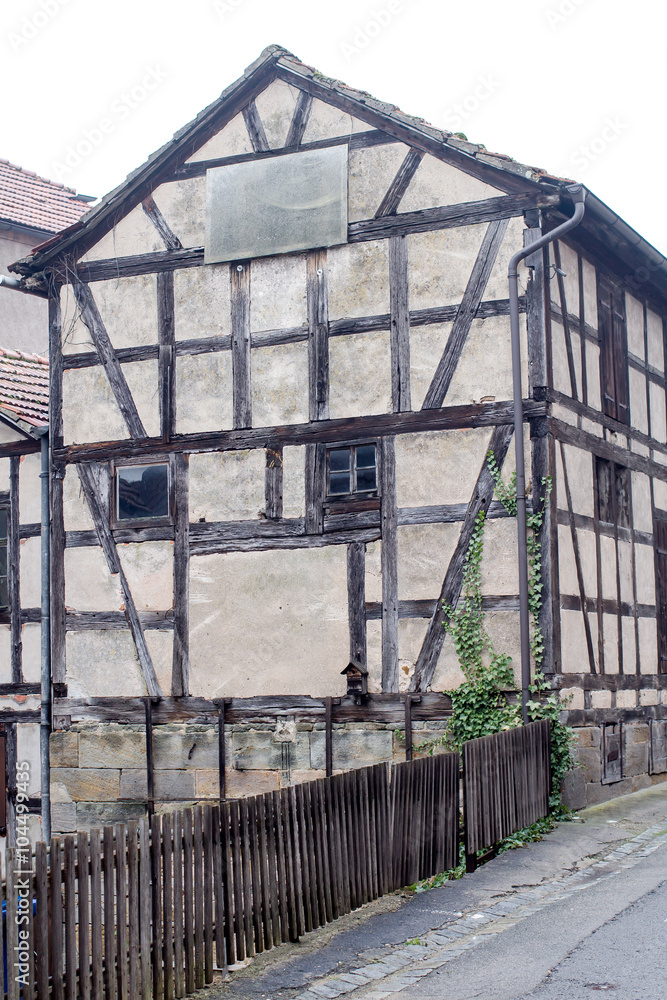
578,194
45,717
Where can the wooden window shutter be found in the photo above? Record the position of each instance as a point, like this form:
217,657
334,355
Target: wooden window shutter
606,334
660,542
620,352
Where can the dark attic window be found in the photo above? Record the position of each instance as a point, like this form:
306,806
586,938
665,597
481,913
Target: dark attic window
352,470
4,594
613,483
142,492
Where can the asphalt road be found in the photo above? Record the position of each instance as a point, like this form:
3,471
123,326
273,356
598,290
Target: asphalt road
610,937
580,913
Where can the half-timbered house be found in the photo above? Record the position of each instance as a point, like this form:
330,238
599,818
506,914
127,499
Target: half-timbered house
280,355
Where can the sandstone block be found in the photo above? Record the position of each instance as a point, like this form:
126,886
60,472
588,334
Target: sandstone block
588,737
185,750
635,759
98,814
352,748
112,747
258,751
63,817
637,733
589,761
242,783
574,789
64,749
207,784
87,784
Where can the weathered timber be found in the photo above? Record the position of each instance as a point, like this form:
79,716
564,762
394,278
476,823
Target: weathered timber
209,545
302,108
29,530
448,217
399,185
81,621
553,396
608,606
202,532
291,335
354,430
180,661
171,241
273,483
96,507
315,486
425,220
451,587
13,571
255,127
24,687
405,130
612,682
472,297
57,567
389,558
240,292
535,310
55,369
356,599
91,317
399,324
152,533
377,707
27,447
166,367
356,140
541,472
318,334
605,449
577,562
427,608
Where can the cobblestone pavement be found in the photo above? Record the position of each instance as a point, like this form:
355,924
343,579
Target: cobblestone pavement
405,966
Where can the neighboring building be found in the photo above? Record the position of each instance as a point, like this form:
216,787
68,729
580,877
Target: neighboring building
32,210
24,414
279,356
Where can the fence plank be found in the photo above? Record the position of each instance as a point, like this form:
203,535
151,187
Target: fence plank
70,918
188,902
207,856
219,891
247,878
121,911
109,914
267,922
11,911
145,909
96,939
237,862
156,886
306,887
198,895
255,873
281,870
42,921
133,887
225,844
272,867
167,908
179,932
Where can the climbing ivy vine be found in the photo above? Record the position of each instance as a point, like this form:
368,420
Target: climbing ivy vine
481,705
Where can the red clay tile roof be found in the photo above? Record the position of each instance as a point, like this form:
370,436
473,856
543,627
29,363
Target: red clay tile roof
24,388
36,203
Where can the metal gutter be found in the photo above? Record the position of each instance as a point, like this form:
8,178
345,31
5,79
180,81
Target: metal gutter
578,194
45,708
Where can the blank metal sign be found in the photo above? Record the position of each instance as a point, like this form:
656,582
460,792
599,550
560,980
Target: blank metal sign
276,205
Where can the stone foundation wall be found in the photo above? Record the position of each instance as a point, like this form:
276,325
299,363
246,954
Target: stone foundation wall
98,772
583,785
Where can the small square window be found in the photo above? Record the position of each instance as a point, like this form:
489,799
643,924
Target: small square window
4,592
142,492
352,470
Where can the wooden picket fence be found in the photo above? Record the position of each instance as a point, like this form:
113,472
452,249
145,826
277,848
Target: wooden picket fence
506,783
151,909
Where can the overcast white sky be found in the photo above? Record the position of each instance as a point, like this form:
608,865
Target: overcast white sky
576,86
